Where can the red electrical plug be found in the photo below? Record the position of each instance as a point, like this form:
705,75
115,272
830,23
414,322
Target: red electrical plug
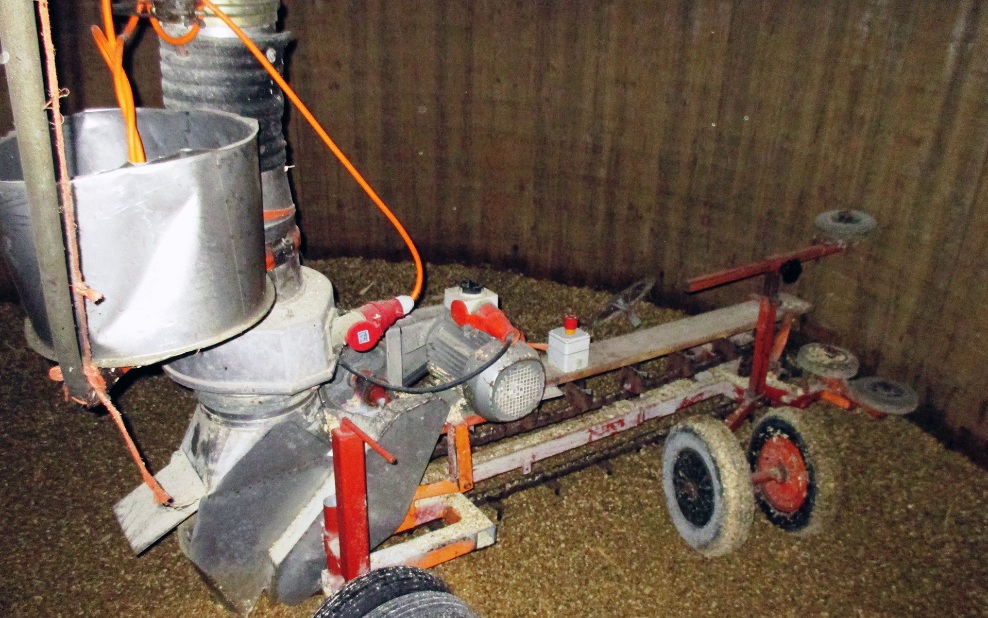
378,317
487,318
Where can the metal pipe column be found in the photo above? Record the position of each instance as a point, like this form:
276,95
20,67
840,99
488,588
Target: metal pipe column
19,42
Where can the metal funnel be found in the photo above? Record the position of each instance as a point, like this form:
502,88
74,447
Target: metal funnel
175,245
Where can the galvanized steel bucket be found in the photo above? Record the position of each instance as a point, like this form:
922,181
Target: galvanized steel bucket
175,245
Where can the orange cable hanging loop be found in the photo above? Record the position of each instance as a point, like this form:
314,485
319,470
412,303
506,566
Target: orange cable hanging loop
167,38
278,79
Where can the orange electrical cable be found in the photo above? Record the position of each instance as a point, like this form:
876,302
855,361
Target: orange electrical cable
278,79
131,27
111,48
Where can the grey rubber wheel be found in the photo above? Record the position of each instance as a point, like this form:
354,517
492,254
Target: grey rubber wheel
804,501
844,224
885,396
359,597
707,486
827,361
426,604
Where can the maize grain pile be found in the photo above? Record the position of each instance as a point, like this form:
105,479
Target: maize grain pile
910,537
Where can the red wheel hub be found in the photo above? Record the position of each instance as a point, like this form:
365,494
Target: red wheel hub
788,493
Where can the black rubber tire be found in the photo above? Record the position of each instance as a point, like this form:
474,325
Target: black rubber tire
707,486
807,434
425,604
363,595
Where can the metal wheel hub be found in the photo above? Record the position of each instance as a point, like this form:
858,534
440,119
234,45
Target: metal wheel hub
788,492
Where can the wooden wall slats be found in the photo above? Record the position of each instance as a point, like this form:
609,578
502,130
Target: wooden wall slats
601,141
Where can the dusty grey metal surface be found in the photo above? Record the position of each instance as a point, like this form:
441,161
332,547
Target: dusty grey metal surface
286,353
51,300
405,345
175,246
510,388
282,237
298,576
247,13
252,506
218,438
216,71
344,392
409,429
410,436
143,520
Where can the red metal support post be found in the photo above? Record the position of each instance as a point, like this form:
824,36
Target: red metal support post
351,503
764,342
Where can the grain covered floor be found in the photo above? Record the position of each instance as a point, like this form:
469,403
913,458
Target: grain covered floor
910,538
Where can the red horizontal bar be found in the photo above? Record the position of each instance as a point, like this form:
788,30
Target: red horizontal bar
768,265
371,442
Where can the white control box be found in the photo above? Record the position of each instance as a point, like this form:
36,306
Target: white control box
569,352
473,300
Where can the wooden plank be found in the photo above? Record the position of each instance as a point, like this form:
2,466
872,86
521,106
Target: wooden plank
664,339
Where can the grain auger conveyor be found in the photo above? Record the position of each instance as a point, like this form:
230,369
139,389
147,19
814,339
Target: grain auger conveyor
322,436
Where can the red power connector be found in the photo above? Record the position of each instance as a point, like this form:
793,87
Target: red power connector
378,317
487,318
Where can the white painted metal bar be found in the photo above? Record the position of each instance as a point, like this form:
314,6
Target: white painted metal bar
522,452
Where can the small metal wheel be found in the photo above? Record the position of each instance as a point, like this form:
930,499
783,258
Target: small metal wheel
827,361
844,224
624,303
394,592
885,396
793,474
707,486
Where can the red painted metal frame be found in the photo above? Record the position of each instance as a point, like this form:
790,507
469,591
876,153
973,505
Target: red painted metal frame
764,342
346,521
764,267
350,512
767,347
762,359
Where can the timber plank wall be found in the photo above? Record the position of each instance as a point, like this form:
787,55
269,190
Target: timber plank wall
601,142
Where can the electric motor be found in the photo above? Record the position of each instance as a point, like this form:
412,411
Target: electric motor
507,390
